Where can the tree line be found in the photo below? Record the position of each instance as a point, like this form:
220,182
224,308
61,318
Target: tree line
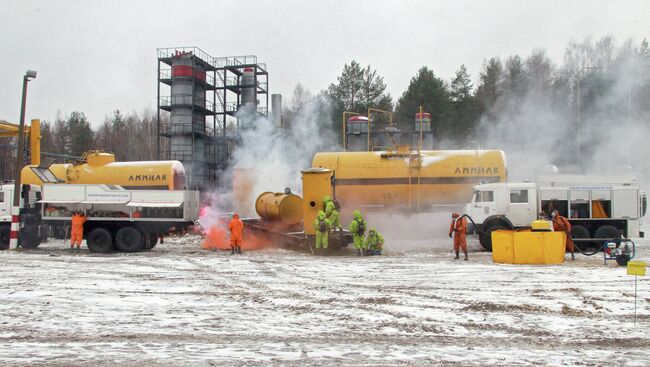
514,88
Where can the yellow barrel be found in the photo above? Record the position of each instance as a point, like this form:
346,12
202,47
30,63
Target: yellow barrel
101,168
316,183
412,179
279,207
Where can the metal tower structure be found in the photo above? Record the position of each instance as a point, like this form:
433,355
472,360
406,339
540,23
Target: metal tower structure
199,119
188,134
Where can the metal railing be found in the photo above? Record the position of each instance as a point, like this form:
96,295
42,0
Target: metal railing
193,50
167,74
186,100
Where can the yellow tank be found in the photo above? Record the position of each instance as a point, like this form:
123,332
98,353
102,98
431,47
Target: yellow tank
406,178
279,207
316,183
527,247
101,168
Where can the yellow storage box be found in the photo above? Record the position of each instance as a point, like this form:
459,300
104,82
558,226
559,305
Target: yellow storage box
528,247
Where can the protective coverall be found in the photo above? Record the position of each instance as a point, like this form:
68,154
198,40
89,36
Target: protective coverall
458,228
560,223
358,229
77,230
236,227
322,227
331,213
374,242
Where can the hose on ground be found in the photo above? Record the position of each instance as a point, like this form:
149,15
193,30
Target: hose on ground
601,248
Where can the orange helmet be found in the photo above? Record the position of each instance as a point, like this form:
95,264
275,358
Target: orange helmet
455,215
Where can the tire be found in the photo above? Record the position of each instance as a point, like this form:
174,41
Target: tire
4,236
485,238
607,231
150,239
100,240
30,238
129,239
622,260
58,232
580,232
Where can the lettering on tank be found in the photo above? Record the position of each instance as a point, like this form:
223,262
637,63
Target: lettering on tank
476,170
146,177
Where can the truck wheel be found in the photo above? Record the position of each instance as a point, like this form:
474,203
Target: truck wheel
29,238
580,232
100,240
129,239
607,231
153,240
486,238
58,232
4,237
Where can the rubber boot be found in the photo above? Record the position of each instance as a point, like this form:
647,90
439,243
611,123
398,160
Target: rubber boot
457,257
358,252
573,256
78,250
239,249
232,250
465,256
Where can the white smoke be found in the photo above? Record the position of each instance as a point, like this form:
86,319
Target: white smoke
273,157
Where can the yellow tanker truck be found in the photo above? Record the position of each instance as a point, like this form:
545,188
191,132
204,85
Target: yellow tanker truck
411,179
100,168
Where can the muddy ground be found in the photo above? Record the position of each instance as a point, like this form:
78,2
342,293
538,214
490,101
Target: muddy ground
180,305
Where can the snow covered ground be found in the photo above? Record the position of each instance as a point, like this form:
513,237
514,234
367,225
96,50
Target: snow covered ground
180,305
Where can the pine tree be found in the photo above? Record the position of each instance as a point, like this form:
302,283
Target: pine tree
81,135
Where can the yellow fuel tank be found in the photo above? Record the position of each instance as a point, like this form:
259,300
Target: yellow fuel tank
412,179
279,207
101,168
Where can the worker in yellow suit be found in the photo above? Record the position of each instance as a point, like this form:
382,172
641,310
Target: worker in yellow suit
358,229
322,227
331,213
77,231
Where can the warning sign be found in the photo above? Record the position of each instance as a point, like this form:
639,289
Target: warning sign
636,268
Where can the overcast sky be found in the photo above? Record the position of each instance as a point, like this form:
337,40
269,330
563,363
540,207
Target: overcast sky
98,56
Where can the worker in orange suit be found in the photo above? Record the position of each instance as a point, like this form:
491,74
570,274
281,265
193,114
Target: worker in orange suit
458,229
236,227
561,224
77,231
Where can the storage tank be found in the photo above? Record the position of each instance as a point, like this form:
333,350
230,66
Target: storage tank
101,168
185,120
422,119
404,178
356,134
280,207
248,87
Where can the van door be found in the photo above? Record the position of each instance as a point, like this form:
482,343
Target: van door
624,203
521,210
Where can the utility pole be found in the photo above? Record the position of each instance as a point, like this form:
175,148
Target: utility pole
13,236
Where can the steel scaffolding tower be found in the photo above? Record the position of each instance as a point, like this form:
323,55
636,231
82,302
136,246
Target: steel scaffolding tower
199,120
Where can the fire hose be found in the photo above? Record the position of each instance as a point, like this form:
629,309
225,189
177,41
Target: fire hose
601,248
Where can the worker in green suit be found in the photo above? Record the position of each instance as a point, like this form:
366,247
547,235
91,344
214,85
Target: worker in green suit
374,242
358,229
322,227
331,213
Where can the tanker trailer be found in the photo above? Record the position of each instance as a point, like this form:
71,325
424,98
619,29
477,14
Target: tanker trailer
410,179
100,168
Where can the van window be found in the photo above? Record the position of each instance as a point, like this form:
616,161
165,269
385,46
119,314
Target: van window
2,197
518,196
486,196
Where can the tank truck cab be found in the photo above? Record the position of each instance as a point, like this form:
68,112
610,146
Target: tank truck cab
29,196
596,210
